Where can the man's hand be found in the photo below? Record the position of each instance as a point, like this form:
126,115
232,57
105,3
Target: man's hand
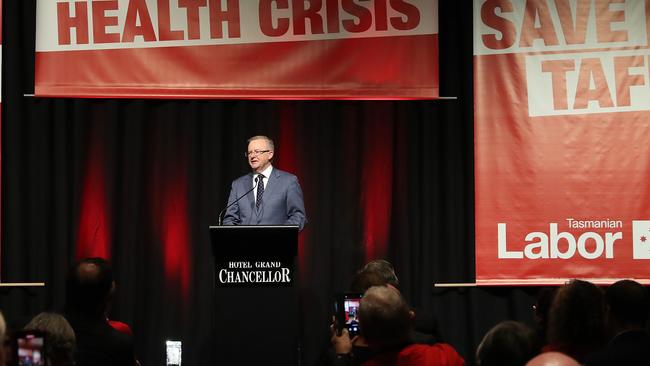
342,343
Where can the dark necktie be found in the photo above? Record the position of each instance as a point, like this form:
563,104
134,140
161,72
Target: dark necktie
260,191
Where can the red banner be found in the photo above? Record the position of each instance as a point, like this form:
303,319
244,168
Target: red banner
562,159
383,49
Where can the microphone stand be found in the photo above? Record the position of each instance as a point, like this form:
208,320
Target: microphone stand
220,217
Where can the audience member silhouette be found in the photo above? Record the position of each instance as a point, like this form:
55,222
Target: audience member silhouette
541,310
355,351
90,288
508,343
576,323
386,321
628,305
344,349
60,338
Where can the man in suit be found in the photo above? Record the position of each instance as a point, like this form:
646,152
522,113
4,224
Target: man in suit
274,196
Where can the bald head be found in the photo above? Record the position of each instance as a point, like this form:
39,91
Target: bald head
385,316
90,286
552,359
88,272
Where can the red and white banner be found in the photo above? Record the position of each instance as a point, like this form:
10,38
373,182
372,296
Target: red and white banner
381,49
562,140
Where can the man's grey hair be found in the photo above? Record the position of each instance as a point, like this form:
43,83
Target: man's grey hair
385,317
60,336
262,137
383,268
3,327
3,332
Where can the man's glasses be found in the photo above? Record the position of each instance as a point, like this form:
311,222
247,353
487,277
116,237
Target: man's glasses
255,153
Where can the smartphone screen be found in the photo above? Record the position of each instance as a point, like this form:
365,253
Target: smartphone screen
174,353
351,304
346,310
30,348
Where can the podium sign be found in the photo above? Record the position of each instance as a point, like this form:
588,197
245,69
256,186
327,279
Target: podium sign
255,296
254,256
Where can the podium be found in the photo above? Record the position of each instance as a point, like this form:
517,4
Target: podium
256,313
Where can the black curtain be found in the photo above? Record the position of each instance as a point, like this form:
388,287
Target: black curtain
155,154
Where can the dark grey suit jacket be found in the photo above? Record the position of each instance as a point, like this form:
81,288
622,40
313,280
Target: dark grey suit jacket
282,202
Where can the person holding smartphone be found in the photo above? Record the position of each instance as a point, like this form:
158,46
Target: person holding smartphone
57,338
386,321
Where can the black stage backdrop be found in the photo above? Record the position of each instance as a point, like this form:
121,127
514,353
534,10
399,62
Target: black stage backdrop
140,181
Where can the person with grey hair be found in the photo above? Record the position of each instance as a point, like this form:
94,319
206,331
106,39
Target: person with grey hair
266,195
383,268
382,272
60,338
3,334
386,322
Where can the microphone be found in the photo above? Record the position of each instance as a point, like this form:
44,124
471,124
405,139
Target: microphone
220,218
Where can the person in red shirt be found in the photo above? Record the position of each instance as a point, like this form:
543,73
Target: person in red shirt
386,322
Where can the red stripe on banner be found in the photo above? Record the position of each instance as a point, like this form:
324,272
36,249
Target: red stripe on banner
93,238
369,68
377,180
554,281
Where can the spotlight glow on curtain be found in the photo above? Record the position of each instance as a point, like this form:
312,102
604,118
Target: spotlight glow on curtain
94,236
377,183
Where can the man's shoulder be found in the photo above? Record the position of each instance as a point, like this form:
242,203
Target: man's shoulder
419,354
276,173
282,174
244,178
442,353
